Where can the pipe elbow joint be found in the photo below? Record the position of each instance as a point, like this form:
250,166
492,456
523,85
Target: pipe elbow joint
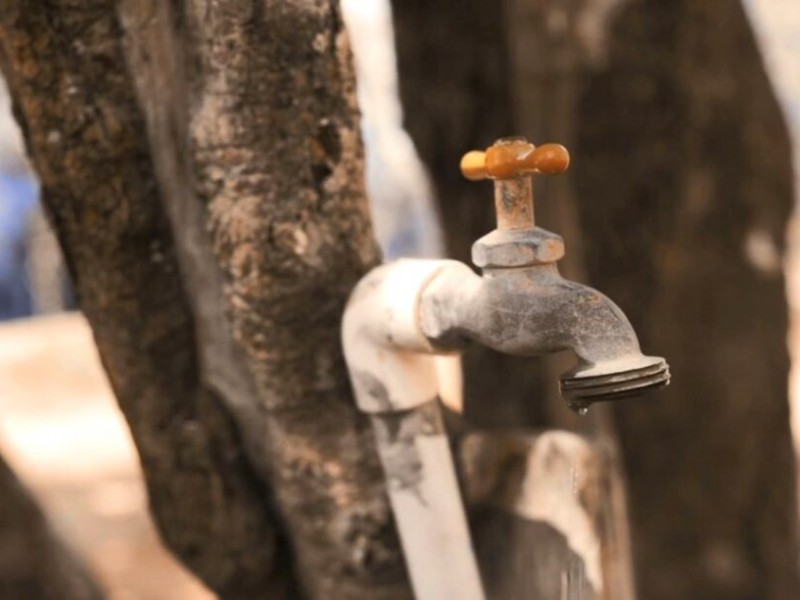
388,355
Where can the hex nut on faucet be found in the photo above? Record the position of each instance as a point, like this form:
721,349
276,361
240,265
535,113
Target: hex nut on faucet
517,248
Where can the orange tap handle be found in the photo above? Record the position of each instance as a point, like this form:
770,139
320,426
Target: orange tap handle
514,158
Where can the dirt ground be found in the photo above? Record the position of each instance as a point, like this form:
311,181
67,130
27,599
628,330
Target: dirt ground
63,434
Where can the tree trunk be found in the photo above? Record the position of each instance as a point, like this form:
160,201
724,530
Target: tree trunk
685,189
683,184
85,135
201,164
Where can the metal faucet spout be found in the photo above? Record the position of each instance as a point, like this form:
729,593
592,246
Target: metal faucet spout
533,311
521,305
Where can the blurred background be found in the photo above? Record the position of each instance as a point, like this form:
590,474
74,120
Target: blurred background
60,428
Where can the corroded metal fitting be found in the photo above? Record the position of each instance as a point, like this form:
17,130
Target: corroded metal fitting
516,242
517,248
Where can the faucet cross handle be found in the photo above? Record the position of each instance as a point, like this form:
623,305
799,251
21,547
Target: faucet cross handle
510,162
510,158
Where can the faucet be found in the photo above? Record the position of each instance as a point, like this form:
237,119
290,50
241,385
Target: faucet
403,313
521,305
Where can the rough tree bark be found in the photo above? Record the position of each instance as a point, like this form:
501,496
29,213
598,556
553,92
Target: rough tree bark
239,195
683,184
85,136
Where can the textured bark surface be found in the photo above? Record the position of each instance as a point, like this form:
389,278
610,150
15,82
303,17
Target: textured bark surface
263,151
274,145
255,137
682,180
86,137
33,562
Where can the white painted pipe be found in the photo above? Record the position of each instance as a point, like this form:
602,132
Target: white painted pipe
394,377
